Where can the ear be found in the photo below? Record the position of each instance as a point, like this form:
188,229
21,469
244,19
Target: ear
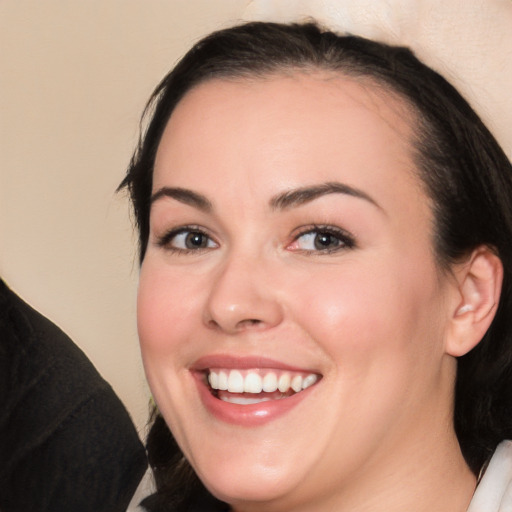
479,282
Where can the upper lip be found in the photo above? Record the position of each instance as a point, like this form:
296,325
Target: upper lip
244,363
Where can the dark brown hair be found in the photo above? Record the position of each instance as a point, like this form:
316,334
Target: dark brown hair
465,173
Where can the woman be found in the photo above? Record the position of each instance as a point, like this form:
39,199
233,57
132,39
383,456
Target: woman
324,302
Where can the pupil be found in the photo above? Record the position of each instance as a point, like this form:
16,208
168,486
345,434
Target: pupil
324,240
195,240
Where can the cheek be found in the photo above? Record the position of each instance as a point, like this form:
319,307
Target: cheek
154,316
166,302
375,324
365,312
166,320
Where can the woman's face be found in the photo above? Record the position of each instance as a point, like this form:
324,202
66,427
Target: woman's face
291,247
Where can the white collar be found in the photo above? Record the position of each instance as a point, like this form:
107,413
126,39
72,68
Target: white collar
494,492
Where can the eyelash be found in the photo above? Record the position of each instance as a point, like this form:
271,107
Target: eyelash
165,240
345,239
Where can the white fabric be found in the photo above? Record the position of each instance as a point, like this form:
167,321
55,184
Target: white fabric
468,41
146,488
494,492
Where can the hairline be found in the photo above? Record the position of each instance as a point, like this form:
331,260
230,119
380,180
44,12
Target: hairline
382,88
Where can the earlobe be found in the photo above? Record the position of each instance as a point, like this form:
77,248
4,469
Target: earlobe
479,286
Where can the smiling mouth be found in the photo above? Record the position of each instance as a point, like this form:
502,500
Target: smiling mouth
246,387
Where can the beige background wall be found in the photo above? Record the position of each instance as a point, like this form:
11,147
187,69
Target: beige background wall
74,76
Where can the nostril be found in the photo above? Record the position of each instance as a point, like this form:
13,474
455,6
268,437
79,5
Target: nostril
249,322
213,324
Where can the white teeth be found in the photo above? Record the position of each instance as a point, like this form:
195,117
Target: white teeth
309,380
252,381
241,400
235,382
297,383
284,383
223,381
213,379
270,382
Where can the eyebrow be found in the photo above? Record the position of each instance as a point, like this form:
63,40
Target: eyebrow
299,196
185,196
283,201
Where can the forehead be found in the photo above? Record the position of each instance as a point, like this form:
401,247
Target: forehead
302,121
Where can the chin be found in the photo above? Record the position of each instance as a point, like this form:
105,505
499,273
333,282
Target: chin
248,474
263,488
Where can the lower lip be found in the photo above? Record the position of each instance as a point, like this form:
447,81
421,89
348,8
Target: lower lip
250,415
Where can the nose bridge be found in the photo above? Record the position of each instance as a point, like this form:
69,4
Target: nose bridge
241,296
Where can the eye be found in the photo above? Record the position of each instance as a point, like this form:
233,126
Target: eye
186,239
326,239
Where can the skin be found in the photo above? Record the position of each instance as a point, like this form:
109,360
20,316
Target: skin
375,320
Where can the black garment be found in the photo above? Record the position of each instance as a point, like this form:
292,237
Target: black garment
66,441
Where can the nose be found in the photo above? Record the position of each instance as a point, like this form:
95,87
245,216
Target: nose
242,298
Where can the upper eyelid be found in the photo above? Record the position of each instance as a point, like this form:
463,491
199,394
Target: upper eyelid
347,238
304,230
186,227
168,235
